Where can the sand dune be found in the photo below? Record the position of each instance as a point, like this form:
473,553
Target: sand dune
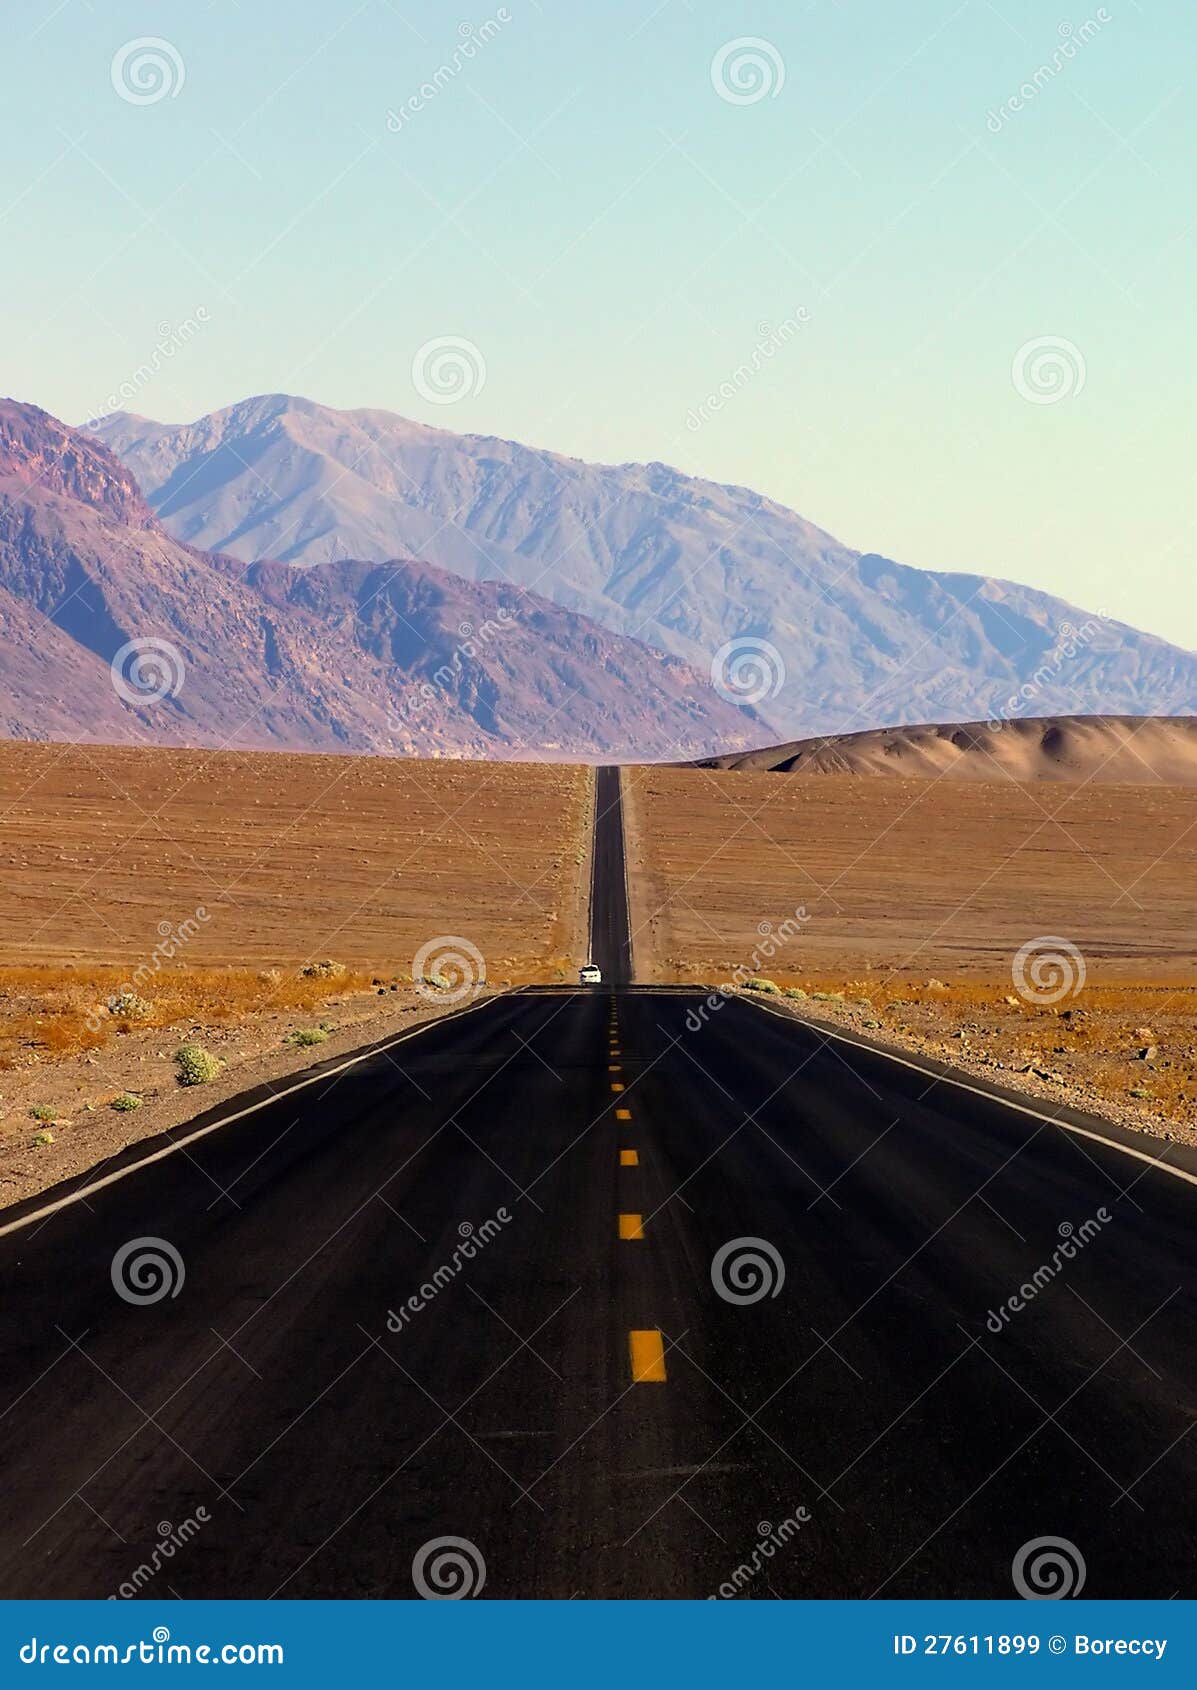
1138,750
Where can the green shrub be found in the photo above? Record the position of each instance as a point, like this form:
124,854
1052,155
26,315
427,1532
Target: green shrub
794,992
196,1065
761,986
41,1139
308,1036
43,1112
126,1101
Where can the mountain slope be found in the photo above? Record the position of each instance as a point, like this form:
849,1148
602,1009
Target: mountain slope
850,640
113,631
1101,750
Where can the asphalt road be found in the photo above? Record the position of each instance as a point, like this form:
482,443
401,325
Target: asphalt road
339,1382
610,945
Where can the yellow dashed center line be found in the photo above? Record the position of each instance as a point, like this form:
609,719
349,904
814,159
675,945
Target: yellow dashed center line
616,1085
623,1114
648,1357
615,1069
629,1159
631,1226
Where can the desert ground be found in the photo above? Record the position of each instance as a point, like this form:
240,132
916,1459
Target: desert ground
268,907
900,907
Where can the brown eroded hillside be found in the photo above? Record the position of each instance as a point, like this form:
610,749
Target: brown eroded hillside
115,632
1153,750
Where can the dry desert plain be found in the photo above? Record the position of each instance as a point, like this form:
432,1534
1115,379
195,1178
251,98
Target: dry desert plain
250,868
320,878
917,897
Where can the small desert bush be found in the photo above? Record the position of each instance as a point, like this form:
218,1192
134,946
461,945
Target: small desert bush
126,1101
42,1139
129,1006
196,1065
794,992
43,1112
308,1036
326,970
757,985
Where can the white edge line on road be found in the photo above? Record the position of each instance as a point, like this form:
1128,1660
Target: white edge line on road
240,1114
977,1091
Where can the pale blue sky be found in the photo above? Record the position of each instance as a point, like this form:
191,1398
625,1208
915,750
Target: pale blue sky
612,235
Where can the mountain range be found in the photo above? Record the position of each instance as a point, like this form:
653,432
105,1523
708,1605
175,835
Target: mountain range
113,630
823,639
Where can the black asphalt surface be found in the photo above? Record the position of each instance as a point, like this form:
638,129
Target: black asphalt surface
610,944
325,1448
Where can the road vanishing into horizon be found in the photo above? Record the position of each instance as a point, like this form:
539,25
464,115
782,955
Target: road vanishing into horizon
731,1281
